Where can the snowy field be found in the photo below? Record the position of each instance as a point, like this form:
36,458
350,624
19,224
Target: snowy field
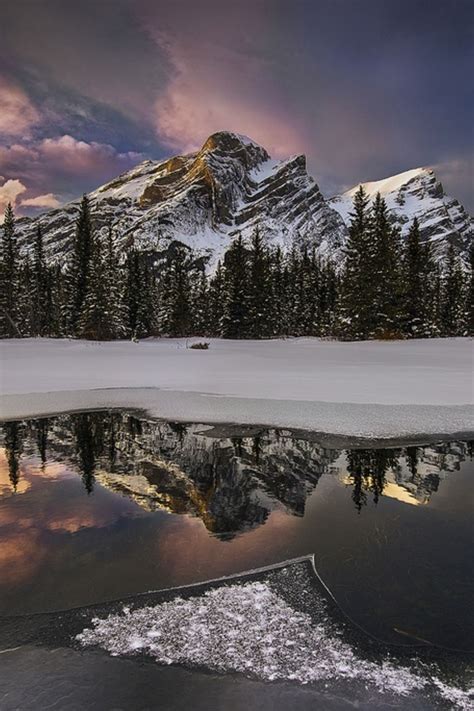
369,389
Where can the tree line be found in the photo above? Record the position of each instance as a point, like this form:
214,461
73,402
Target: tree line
386,288
89,442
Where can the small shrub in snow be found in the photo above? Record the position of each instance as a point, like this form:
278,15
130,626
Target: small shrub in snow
201,346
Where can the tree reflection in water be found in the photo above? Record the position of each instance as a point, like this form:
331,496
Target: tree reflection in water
232,482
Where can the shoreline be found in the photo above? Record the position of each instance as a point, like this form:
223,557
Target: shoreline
337,425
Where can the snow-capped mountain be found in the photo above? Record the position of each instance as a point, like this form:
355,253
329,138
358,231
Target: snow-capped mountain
202,200
231,185
418,193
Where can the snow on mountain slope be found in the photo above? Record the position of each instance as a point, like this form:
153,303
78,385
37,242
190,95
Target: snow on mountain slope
418,193
203,199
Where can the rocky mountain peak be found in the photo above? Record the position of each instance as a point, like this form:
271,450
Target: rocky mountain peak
231,185
202,200
418,193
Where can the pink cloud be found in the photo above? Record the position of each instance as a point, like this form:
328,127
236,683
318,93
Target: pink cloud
48,200
79,157
55,163
9,192
215,88
17,113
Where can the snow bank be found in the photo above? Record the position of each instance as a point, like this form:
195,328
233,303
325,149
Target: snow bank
378,389
250,629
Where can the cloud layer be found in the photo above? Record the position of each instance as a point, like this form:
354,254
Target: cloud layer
365,89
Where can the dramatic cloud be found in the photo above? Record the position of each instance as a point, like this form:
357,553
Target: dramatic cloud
9,192
206,95
17,113
64,164
70,156
48,200
365,89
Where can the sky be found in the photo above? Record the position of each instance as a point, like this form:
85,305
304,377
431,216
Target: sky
365,88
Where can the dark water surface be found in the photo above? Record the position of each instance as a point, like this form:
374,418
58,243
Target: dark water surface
97,506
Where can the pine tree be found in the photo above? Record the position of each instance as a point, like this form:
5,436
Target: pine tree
328,299
278,307
215,301
176,296
469,306
293,292
431,293
200,303
314,285
452,296
385,290
356,311
13,442
94,320
57,296
133,292
113,284
81,265
258,300
26,304
235,291
9,278
40,324
414,286
307,285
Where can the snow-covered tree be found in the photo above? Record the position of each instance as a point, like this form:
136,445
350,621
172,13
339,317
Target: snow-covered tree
258,288
9,278
356,311
79,271
452,306
235,291
40,325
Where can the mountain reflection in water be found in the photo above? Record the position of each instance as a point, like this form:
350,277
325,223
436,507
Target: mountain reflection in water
231,483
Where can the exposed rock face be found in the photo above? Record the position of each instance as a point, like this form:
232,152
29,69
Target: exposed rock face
418,193
231,482
232,185
202,200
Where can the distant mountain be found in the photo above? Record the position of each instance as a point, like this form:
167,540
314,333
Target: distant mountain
231,185
418,193
202,200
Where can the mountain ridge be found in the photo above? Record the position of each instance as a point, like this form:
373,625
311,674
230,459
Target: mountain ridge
418,193
232,185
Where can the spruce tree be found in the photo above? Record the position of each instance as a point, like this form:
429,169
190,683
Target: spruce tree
306,294
328,299
13,443
215,301
94,320
9,278
81,264
133,291
431,293
26,305
235,291
278,294
176,295
113,281
469,306
200,303
57,307
293,292
356,312
452,296
259,293
414,285
385,286
40,287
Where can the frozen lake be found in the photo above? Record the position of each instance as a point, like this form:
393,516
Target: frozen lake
101,505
